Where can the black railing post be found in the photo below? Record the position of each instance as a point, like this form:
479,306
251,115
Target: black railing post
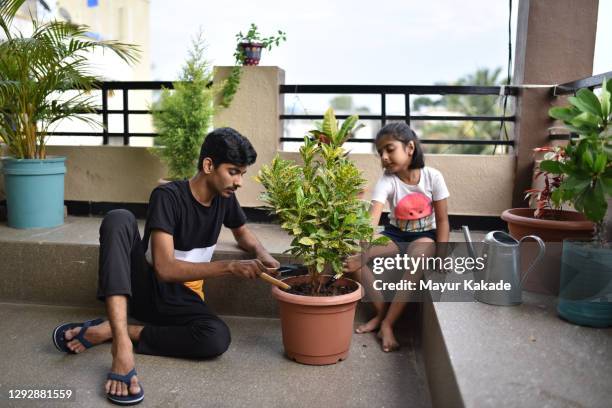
383,108
407,107
126,120
104,114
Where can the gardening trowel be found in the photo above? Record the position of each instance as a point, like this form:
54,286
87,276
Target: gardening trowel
273,280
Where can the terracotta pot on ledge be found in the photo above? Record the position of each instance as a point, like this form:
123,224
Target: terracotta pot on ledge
317,330
556,226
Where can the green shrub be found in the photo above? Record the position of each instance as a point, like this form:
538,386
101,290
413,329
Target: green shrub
318,201
184,116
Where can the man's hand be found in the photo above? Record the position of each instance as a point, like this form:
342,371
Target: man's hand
267,260
248,242
353,263
248,269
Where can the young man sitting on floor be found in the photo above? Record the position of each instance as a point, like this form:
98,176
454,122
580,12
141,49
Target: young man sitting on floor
159,279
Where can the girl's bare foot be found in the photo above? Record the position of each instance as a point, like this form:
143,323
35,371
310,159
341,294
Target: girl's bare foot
95,335
389,343
370,326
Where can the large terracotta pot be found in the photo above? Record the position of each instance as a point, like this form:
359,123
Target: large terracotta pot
562,225
317,330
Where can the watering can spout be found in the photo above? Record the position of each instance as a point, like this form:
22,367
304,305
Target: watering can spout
468,240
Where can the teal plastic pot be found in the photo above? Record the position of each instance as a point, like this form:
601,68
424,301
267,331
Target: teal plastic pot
585,295
34,191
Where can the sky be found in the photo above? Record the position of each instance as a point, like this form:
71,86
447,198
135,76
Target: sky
352,41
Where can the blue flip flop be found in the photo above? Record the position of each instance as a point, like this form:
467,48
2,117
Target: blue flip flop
131,399
59,338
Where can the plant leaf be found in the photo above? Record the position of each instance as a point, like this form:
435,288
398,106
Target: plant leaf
551,166
562,113
575,183
306,241
330,124
347,126
600,162
594,203
605,99
586,101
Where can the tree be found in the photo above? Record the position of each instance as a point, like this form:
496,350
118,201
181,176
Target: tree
184,116
469,105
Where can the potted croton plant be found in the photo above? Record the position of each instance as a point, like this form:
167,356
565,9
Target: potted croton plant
318,205
34,70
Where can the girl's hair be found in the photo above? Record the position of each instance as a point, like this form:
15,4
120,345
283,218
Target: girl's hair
400,131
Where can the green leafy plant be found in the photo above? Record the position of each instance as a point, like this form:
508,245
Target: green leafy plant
317,201
184,116
252,36
35,69
587,166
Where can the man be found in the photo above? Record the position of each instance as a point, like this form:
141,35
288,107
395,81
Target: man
159,279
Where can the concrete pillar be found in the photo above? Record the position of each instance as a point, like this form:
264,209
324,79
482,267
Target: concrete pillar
555,44
254,112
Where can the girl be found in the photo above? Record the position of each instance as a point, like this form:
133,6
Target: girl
417,197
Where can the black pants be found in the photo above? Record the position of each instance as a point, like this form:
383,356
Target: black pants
178,322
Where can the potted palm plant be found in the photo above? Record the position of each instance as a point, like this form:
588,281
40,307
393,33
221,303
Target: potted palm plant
184,116
34,70
318,204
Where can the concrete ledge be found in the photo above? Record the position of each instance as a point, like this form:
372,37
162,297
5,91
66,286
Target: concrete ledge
97,174
479,355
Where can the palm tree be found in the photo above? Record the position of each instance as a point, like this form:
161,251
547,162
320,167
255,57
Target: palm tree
33,69
469,105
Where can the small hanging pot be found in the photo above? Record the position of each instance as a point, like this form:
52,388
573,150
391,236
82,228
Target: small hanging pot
252,52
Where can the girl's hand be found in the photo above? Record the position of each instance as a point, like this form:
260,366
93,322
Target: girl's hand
353,263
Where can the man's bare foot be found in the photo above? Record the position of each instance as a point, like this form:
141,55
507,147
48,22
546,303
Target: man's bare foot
123,363
95,335
389,343
370,326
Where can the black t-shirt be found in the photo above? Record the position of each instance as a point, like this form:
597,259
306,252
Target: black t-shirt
194,227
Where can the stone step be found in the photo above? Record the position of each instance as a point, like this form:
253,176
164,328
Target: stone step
59,266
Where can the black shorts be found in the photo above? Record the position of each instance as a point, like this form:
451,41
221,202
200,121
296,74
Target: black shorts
399,236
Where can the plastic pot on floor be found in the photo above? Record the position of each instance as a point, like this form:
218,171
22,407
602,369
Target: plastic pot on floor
317,330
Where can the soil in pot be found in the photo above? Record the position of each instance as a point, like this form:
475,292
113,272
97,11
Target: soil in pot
329,288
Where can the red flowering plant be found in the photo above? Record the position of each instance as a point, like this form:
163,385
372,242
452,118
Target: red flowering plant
545,198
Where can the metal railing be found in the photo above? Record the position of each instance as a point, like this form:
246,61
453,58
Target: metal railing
591,82
570,88
106,88
125,86
407,91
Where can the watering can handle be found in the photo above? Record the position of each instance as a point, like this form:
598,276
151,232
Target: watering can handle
538,258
